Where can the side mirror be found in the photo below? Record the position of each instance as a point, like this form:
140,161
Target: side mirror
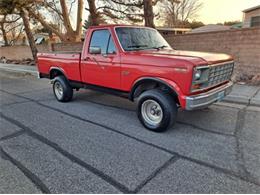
95,50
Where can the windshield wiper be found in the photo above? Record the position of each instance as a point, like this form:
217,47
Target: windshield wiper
137,46
161,47
145,47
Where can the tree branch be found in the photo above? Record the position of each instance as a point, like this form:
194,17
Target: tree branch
66,18
54,8
71,5
138,4
46,25
79,17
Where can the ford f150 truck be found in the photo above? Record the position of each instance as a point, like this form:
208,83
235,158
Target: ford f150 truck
137,63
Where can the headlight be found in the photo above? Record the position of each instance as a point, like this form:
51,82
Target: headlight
200,78
197,75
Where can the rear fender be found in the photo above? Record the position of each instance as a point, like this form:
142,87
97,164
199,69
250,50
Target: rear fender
60,70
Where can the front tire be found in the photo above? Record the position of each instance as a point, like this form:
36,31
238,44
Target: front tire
62,89
156,110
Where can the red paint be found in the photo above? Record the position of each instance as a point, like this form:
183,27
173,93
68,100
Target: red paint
121,71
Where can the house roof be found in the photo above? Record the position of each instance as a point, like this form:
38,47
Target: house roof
251,9
237,25
210,28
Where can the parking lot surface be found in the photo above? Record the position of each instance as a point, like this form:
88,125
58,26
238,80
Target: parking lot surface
95,144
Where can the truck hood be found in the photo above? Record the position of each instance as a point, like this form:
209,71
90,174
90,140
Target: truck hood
203,57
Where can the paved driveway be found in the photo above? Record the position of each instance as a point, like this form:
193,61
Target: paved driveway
95,144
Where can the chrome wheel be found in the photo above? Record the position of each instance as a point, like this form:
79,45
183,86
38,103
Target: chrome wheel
152,112
58,89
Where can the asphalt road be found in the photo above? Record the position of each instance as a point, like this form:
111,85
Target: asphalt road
95,144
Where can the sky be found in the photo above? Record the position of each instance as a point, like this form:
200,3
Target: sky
219,11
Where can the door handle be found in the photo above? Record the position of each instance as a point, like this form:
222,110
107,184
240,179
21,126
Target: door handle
105,56
86,58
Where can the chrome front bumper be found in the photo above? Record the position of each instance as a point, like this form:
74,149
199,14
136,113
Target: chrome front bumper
205,99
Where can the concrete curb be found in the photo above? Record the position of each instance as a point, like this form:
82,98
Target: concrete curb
255,101
19,69
33,73
244,94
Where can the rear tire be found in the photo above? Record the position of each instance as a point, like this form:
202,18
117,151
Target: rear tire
62,89
156,110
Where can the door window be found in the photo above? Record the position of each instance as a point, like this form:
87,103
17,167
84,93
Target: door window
111,49
103,39
100,39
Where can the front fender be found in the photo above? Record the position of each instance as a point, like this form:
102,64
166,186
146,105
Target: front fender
176,88
171,84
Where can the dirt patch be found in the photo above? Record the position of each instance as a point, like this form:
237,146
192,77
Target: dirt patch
247,79
25,61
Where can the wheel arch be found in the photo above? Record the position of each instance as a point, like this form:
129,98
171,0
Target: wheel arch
56,71
147,83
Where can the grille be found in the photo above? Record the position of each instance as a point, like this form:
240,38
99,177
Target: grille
220,73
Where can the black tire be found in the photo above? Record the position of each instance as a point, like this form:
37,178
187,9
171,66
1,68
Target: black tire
168,107
67,91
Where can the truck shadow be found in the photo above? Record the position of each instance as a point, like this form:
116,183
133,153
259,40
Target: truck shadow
218,119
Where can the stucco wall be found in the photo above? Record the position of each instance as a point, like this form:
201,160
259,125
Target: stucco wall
21,52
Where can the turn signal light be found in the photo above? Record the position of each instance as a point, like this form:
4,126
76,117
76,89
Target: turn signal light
195,86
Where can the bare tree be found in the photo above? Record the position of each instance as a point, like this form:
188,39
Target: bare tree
177,13
11,27
117,11
63,12
4,33
19,8
94,15
148,13
134,11
26,22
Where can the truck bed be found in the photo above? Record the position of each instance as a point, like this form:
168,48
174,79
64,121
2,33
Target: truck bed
68,62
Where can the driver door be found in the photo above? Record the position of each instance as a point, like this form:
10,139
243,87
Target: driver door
102,68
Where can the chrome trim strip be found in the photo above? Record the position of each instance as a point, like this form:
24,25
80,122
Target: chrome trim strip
207,98
212,65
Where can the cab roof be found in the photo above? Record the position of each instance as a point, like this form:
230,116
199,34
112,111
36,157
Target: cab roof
114,25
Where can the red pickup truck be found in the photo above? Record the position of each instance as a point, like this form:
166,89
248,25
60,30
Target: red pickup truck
137,63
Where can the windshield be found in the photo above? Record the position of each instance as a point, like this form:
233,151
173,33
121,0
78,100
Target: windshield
140,39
